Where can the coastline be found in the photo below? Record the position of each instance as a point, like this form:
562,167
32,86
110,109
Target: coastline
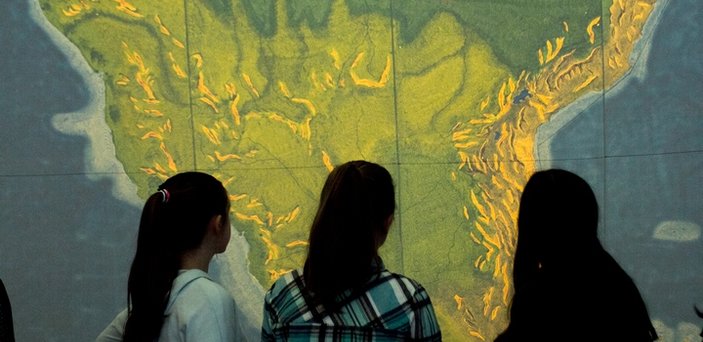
100,155
638,70
230,269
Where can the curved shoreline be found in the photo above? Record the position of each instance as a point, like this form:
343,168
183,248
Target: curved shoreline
638,70
230,269
100,155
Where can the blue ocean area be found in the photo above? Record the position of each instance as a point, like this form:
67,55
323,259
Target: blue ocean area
640,145
64,238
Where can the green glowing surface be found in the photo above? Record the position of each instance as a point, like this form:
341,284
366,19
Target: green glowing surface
268,96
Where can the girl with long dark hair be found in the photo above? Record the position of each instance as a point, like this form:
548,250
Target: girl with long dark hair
567,286
170,295
344,292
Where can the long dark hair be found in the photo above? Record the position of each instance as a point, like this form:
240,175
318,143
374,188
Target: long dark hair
558,217
174,221
559,260
356,204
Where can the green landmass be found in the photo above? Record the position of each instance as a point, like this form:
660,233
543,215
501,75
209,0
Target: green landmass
516,29
269,95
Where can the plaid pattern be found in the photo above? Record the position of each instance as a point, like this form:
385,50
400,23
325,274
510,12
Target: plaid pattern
391,307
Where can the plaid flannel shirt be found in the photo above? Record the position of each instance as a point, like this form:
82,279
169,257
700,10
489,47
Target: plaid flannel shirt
390,307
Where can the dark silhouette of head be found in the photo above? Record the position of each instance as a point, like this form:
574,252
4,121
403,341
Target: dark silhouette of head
174,221
567,287
557,222
356,209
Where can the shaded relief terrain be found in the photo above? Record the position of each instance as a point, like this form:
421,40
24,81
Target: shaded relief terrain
268,96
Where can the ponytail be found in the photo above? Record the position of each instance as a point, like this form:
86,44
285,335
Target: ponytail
173,221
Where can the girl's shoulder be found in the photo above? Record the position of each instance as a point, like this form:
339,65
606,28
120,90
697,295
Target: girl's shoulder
194,288
291,281
401,281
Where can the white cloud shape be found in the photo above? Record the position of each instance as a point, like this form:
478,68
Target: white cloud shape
677,231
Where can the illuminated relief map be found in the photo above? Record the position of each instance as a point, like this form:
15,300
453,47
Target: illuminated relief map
269,95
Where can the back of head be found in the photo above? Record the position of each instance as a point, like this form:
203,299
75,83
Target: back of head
174,220
557,220
559,263
351,223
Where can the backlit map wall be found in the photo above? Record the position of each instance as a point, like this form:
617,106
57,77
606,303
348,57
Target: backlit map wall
461,100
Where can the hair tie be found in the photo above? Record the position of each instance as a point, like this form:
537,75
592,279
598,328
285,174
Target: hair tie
165,195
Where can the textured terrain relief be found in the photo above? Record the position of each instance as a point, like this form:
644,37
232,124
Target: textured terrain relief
269,96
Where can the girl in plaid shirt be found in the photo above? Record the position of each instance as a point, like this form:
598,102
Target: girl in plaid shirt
344,293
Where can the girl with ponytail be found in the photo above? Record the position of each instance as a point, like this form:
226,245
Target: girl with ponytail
170,295
344,292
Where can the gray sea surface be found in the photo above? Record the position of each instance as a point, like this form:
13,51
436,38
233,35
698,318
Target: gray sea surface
65,240
640,145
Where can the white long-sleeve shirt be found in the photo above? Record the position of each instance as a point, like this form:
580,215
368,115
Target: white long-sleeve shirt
198,310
